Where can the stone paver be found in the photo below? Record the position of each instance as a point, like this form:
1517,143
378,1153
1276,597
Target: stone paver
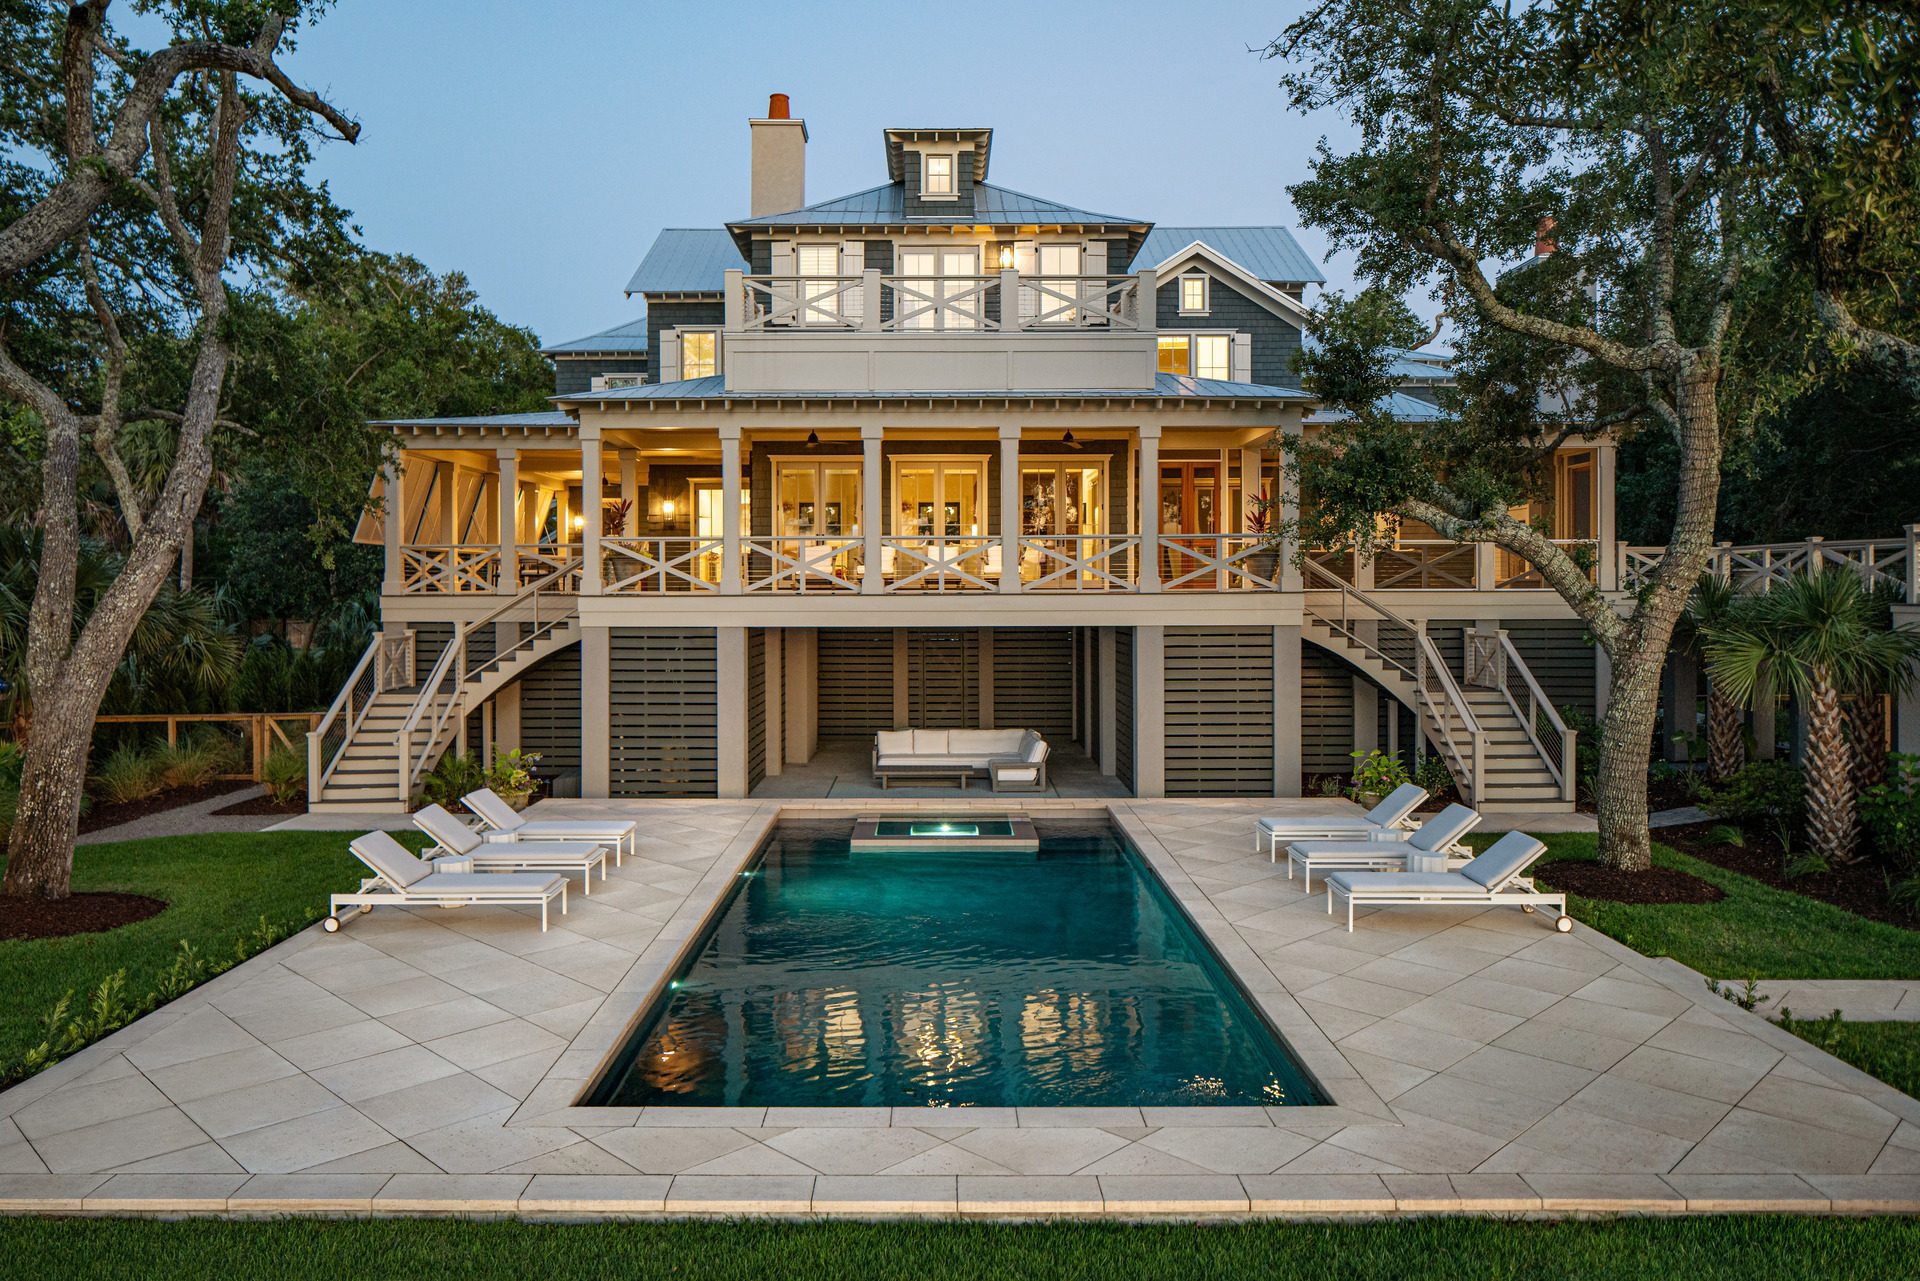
428,1062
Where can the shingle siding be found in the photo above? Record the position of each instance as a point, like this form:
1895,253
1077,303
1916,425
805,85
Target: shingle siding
917,206
1275,341
662,316
575,374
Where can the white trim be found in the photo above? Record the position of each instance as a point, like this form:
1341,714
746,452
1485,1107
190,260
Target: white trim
1206,294
952,191
1280,304
599,382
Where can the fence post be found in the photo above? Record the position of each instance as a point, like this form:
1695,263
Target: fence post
313,767
1815,554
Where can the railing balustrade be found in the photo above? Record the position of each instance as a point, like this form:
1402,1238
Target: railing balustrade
665,564
939,563
802,565
1424,564
1222,562
449,567
1079,563
1757,567
1492,663
941,304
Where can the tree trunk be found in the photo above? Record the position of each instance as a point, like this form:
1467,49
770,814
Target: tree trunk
1867,732
1626,748
1831,819
1726,737
40,846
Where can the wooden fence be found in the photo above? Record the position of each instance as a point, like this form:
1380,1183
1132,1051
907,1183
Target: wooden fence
261,730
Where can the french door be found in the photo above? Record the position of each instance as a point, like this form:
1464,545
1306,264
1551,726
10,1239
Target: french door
1063,504
1189,505
941,289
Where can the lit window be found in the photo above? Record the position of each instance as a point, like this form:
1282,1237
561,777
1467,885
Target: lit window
1213,356
1193,293
614,382
697,354
939,181
1175,350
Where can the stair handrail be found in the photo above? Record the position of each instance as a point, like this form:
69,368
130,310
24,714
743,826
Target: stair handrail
567,607
1552,740
343,713
1429,671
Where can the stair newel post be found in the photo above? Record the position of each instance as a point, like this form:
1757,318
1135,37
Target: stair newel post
453,696
403,763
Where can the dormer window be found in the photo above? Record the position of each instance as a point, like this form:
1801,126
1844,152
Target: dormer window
938,179
1193,294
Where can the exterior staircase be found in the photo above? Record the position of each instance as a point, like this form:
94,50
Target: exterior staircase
386,729
1499,734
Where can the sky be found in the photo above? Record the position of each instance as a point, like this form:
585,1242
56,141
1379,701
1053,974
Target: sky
539,146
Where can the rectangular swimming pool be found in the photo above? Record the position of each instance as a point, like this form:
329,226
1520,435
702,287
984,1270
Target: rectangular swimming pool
1069,977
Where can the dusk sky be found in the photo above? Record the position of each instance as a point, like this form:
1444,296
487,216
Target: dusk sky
540,146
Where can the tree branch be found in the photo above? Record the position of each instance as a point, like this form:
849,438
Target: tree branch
106,428
1523,540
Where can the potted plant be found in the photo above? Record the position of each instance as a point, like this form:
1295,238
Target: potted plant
511,776
1263,519
1374,775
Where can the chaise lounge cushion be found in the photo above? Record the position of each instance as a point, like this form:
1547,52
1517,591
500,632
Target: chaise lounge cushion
487,884
1505,859
1360,884
393,861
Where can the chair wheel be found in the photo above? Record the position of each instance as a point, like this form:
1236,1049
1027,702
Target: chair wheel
1564,925
1527,908
331,925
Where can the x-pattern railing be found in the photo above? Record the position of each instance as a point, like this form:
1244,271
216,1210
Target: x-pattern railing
1079,562
1757,567
802,564
662,564
1230,562
939,303
804,302
939,563
1051,302
448,567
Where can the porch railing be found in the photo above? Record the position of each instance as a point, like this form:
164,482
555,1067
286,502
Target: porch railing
882,303
327,741
802,565
668,564
1079,563
449,567
939,563
1222,562
1757,567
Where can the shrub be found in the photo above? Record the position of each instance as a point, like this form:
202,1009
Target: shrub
511,775
284,773
196,761
1769,792
1375,773
451,777
131,773
1432,773
9,786
1890,812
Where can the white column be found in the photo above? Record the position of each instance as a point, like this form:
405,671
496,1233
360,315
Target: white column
395,513
731,732
1606,528
872,516
630,491
730,515
596,712
1147,488
591,480
1009,507
1109,701
1288,758
508,484
776,701
1290,577
1251,484
1149,712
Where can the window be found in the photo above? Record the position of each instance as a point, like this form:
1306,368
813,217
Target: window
1175,354
1193,294
614,382
939,176
1213,356
699,356
819,265
938,289
1052,301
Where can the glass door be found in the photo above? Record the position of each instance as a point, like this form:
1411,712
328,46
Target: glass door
1063,506
816,515
939,520
1189,506
959,272
1052,303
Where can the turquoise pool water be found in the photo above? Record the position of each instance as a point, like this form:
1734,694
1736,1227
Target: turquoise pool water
1064,978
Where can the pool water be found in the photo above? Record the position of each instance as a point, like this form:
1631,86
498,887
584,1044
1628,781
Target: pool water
1069,977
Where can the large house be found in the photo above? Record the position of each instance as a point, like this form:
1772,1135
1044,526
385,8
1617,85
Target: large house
940,453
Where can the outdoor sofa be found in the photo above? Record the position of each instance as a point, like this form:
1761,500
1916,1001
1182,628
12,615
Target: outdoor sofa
1014,759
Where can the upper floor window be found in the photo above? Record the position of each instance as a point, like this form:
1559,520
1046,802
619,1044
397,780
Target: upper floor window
938,178
1201,355
614,382
1176,354
1193,294
699,353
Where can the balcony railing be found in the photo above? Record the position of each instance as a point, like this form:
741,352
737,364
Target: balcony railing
878,303
1891,563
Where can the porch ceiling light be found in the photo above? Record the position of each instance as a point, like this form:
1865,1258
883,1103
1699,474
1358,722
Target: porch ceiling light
666,509
1006,257
813,440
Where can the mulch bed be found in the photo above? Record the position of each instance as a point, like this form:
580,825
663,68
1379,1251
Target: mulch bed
1860,888
76,914
1655,885
261,805
101,816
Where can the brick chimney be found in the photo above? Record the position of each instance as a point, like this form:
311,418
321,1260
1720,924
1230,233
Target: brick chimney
779,160
1544,244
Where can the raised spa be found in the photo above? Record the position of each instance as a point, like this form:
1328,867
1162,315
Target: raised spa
953,976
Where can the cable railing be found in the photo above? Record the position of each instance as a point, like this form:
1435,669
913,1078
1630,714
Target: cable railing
1492,662
327,741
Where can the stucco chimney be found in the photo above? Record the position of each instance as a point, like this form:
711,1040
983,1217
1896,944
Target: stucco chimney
779,160
1544,243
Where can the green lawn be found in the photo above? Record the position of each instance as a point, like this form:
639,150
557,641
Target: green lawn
1755,931
1889,1051
1406,1250
217,887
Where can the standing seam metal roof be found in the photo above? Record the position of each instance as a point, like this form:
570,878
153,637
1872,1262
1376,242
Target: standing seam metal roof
628,337
1168,385
687,260
1267,253
887,204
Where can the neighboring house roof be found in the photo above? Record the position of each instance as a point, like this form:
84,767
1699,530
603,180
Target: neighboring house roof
1421,364
1167,385
627,338
1408,409
687,260
1267,253
538,418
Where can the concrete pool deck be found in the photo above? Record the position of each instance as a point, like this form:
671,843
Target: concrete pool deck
426,1062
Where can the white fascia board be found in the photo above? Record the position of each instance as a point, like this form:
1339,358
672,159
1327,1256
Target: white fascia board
1283,305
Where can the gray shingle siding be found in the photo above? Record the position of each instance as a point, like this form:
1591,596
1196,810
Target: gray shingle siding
1275,341
575,374
662,316
918,206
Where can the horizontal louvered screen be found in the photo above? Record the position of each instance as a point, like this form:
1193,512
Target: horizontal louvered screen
944,670
756,707
855,682
1559,656
1326,712
1033,680
550,711
662,712
1219,711
1123,705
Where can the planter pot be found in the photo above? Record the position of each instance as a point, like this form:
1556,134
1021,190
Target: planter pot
1367,800
518,800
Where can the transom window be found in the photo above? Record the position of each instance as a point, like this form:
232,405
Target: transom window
1193,294
938,177
699,353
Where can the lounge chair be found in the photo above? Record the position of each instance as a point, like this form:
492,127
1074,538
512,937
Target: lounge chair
1424,849
508,822
401,880
1491,880
1387,816
488,852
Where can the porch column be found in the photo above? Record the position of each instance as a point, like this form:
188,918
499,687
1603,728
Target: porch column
591,482
1009,507
776,701
1606,530
394,479
1290,577
1149,712
508,484
1109,695
630,491
1486,566
730,519
1148,491
1252,484
872,518
1288,759
731,732
596,712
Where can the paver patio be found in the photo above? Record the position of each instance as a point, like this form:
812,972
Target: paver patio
427,1062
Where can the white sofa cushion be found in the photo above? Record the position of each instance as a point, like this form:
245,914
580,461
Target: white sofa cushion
1036,751
929,742
983,742
893,742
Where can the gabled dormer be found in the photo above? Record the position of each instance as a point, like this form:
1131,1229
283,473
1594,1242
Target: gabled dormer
939,169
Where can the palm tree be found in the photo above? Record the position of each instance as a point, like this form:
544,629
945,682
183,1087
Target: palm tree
1822,636
1715,605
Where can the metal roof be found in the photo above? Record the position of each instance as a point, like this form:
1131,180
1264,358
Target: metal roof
538,418
1168,385
1421,364
1267,253
687,260
886,204
1405,408
625,338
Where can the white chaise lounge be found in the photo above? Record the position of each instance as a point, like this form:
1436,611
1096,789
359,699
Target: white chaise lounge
506,823
1491,880
488,853
1390,814
401,880
1425,849
962,755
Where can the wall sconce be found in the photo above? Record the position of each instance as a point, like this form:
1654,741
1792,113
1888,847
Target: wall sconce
579,521
1006,257
666,509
